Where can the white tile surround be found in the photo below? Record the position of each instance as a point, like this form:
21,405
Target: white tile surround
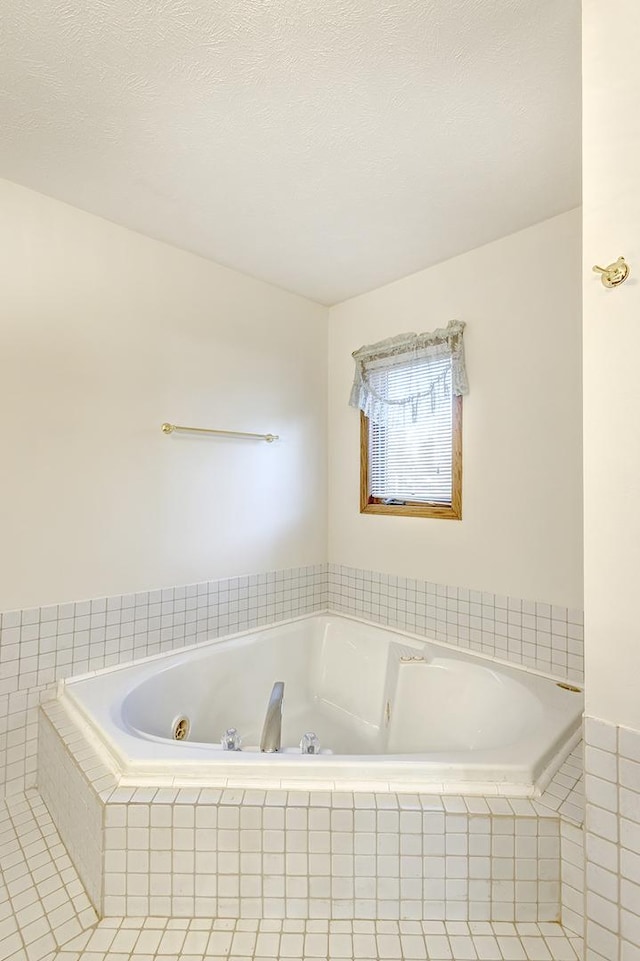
319,855
542,636
44,915
40,645
483,865
572,876
612,842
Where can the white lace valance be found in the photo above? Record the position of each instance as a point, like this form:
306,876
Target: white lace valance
427,366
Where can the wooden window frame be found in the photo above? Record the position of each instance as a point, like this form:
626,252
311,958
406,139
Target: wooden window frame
452,511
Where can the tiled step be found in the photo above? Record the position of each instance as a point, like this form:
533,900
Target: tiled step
45,915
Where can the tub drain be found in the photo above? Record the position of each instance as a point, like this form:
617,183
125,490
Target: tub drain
569,687
181,729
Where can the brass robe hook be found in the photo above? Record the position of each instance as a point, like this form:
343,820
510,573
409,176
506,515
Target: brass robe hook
615,274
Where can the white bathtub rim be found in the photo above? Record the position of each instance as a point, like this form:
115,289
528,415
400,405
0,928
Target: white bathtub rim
125,766
398,773
414,786
378,772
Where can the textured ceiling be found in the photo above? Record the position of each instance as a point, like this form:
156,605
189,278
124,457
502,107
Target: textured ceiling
328,146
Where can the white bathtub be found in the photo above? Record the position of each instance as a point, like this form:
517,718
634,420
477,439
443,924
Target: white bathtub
393,713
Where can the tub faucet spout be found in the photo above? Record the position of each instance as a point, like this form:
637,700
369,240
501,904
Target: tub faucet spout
272,728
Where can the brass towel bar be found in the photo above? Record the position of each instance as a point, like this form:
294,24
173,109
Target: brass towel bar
170,428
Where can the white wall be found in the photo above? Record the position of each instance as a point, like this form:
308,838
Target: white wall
522,512
611,149
104,334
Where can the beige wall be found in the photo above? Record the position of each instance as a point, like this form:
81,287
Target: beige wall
521,530
104,334
611,150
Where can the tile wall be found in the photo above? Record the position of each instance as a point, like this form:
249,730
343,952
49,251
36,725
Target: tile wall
40,645
66,785
278,860
543,636
612,842
295,854
572,875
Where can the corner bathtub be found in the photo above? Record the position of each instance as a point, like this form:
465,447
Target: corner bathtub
393,712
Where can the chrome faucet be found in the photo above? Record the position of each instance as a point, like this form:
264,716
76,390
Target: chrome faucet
272,728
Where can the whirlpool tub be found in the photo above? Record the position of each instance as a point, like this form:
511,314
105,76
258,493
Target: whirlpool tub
391,711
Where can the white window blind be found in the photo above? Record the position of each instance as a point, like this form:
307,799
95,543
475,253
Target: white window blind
408,388
411,453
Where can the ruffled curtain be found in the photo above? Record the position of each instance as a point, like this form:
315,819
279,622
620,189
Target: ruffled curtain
394,377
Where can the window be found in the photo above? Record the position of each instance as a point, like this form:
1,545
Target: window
409,391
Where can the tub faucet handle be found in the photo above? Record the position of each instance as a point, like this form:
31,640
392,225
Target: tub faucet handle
310,743
231,740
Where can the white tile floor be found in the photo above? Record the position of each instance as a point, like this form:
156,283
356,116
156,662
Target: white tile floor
42,901
45,914
236,940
